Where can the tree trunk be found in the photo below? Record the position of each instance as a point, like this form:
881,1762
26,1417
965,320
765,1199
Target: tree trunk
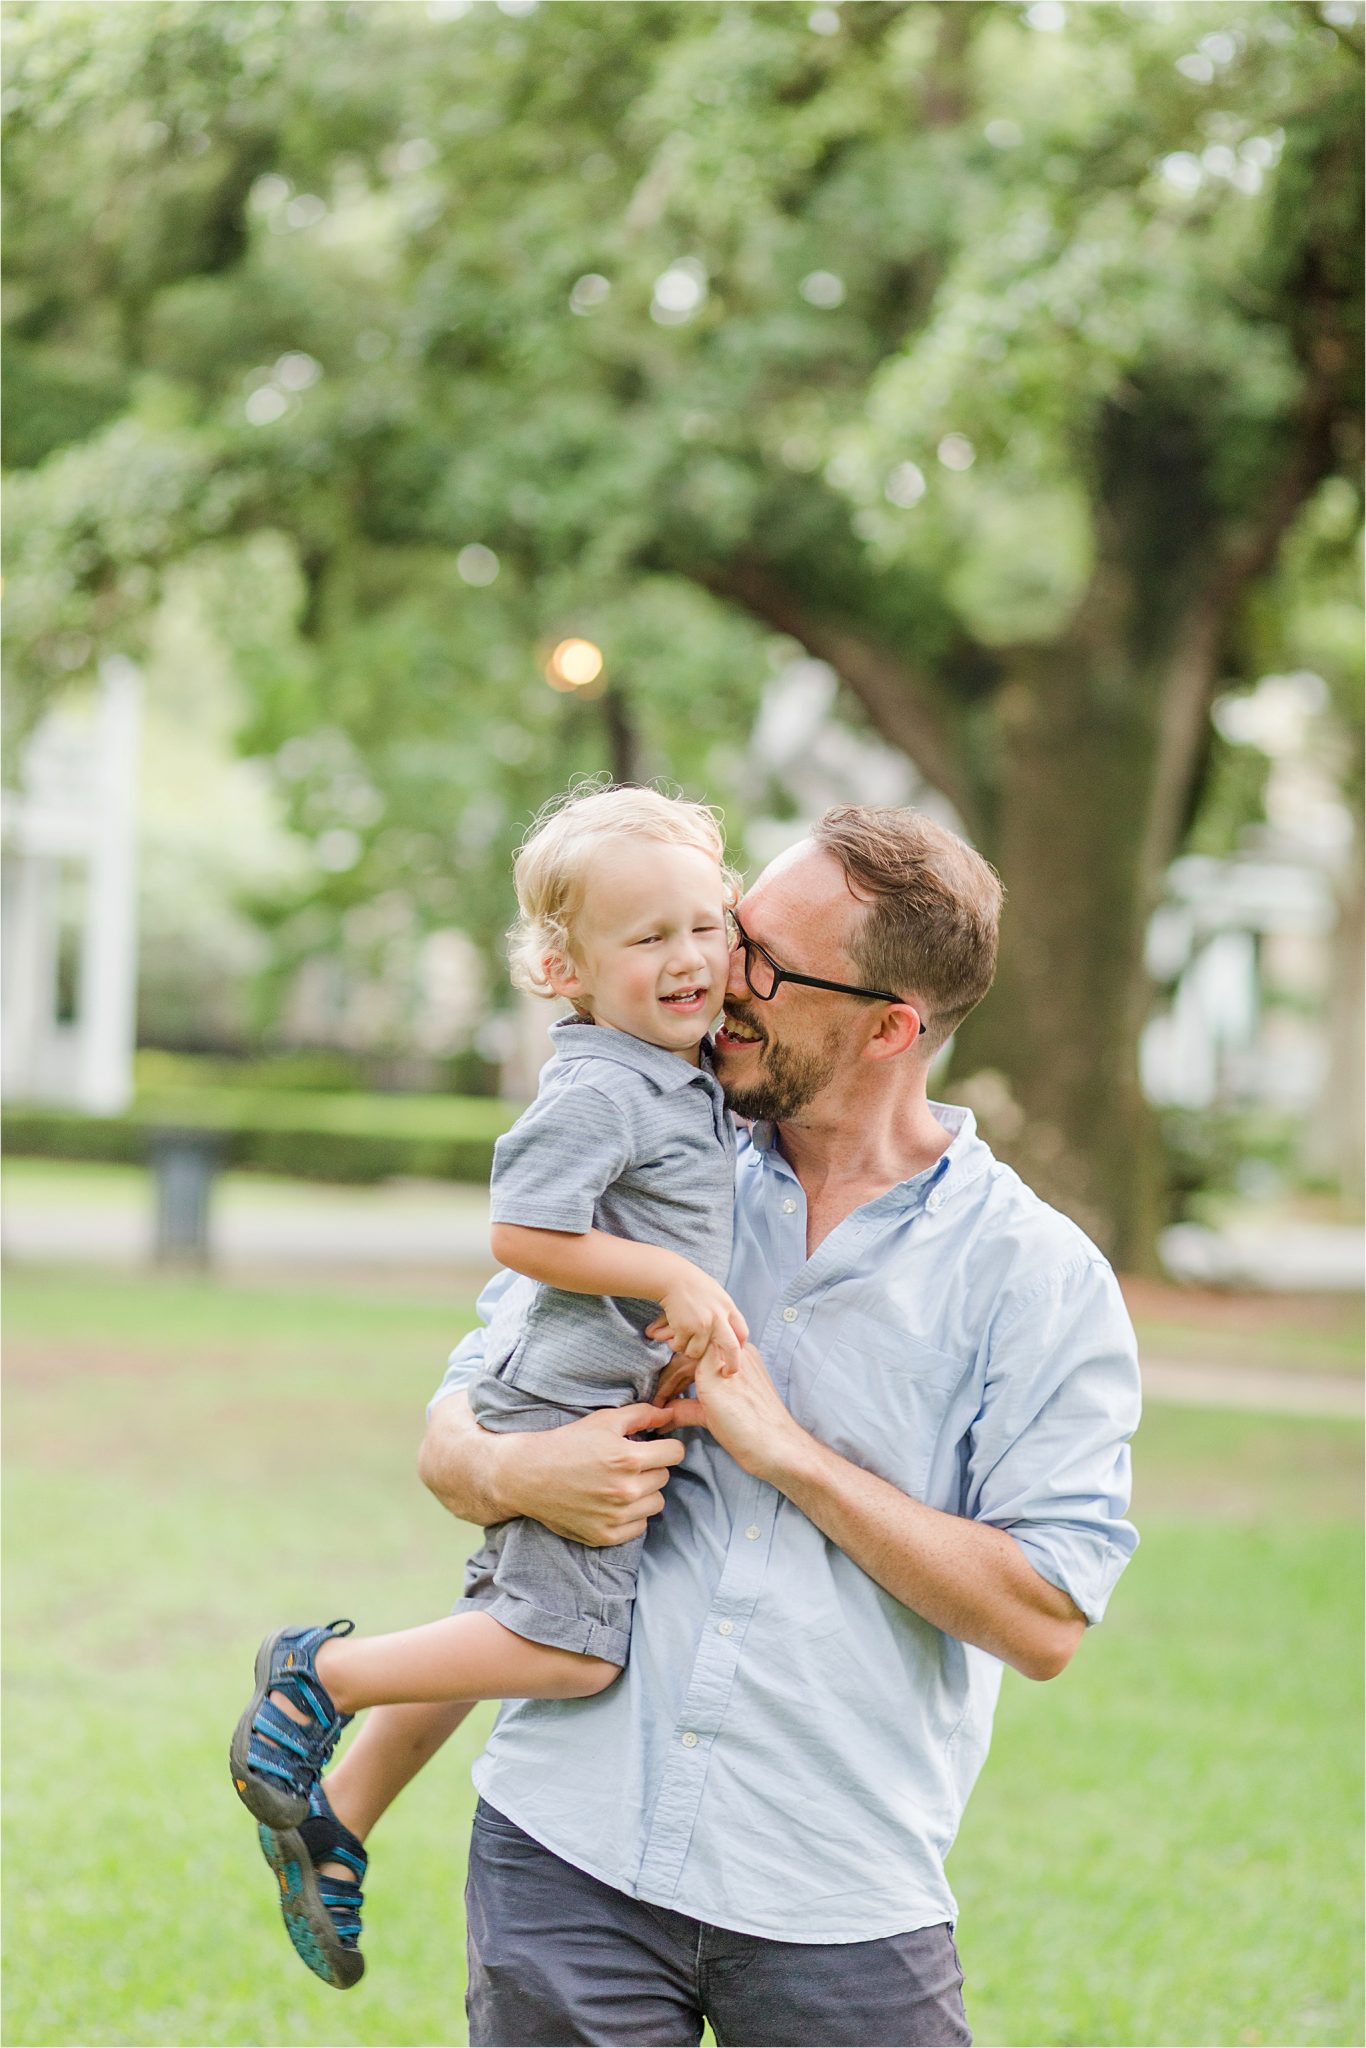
623,741
1061,1025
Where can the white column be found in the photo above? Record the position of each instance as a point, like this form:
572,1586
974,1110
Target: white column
30,972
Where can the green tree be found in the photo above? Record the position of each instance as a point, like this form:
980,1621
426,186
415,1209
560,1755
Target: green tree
989,353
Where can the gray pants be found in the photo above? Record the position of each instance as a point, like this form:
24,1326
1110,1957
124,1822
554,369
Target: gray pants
558,1958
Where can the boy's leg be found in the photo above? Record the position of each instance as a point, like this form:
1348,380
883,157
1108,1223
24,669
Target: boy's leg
467,1657
391,1747
321,1865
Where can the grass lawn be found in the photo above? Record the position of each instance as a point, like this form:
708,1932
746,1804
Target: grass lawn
1164,1846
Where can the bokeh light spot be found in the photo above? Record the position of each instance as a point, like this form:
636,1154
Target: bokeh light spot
337,850
1183,171
955,451
905,486
266,405
588,292
573,664
476,564
822,288
679,291
296,371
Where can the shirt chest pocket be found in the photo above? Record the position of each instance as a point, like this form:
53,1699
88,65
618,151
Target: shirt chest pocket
879,1397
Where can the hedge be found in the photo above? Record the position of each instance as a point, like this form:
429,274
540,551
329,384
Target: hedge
157,1071
350,1137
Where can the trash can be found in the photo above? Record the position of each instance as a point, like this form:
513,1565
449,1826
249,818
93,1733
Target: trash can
184,1165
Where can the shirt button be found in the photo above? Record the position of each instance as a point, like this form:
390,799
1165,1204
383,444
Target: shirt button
752,1532
690,1740
725,1628
934,1201
789,1315
789,1208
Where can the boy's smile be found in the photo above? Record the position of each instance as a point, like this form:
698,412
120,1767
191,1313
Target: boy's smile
651,952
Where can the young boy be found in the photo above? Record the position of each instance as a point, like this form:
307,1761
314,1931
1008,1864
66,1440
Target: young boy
612,1198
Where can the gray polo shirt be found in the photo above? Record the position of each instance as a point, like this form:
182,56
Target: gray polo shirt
624,1137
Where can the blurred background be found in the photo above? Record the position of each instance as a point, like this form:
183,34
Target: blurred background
411,407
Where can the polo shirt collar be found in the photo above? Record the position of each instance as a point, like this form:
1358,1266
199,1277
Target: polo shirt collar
575,1038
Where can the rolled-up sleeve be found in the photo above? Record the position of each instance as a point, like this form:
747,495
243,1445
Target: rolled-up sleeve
551,1167
1049,1450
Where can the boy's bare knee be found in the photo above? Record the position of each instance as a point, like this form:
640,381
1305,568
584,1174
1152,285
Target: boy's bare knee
596,1676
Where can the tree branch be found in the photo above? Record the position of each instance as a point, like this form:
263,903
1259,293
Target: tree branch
897,696
1193,671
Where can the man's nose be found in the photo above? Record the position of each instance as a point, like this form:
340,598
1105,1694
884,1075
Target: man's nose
736,985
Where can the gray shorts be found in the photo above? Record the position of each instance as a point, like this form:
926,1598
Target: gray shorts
558,1957
541,1586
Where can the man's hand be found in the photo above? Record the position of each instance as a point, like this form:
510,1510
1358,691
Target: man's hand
742,1410
588,1480
967,1578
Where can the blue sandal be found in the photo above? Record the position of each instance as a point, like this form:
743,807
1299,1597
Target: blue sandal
276,1761
321,1913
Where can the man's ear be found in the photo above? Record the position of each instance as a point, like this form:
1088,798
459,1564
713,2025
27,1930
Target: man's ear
898,1031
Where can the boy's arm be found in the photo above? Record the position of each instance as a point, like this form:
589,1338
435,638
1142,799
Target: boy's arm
587,1261
698,1309
588,1480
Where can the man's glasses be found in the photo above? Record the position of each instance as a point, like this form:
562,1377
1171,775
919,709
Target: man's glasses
765,977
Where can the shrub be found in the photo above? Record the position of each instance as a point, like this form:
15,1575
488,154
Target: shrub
349,1137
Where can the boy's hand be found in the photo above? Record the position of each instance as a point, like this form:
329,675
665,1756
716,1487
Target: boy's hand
676,1376
699,1314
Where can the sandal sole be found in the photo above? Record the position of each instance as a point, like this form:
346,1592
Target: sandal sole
307,1920
272,1804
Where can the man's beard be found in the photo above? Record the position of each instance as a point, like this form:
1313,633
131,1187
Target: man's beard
791,1076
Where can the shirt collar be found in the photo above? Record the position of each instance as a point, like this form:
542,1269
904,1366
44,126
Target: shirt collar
577,1038
964,1159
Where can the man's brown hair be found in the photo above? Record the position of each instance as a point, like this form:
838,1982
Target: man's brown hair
934,909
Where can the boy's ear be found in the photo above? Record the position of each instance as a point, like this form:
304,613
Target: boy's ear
563,975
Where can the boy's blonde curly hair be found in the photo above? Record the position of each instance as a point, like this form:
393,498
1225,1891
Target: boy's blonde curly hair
551,863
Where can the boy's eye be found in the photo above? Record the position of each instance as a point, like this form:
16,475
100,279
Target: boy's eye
705,927
650,939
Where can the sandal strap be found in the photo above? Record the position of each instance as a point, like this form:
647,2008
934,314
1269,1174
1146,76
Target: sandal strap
343,1901
327,1841
290,1750
296,1752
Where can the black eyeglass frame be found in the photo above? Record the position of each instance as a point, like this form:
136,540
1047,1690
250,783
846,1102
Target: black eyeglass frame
781,974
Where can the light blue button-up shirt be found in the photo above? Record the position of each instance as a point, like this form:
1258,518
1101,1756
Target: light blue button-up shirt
789,1749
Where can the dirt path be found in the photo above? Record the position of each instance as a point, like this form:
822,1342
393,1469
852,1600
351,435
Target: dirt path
1328,1395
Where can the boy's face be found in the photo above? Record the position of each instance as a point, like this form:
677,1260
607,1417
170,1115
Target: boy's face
651,949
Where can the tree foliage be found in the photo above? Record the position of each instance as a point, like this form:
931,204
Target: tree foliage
990,353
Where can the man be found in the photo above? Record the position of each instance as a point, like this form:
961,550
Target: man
920,1473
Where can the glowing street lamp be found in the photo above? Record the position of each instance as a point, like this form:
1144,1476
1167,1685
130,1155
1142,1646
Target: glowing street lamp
573,664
